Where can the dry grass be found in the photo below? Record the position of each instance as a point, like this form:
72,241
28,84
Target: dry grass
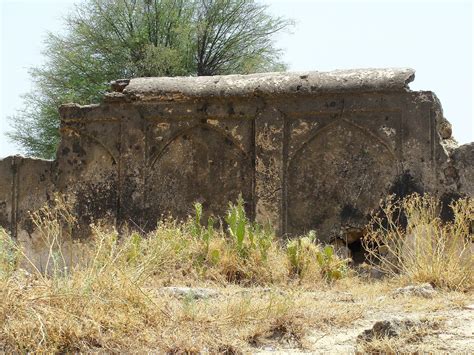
102,294
410,340
106,294
110,312
426,249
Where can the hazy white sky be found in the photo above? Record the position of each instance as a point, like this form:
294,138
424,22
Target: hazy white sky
433,37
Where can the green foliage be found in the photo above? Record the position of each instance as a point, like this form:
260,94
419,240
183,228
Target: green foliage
247,236
196,227
200,232
8,254
107,40
238,223
331,266
134,247
303,252
261,238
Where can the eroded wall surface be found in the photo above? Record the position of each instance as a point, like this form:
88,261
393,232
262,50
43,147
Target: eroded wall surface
307,151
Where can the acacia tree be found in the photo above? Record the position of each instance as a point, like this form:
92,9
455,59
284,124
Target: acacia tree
110,39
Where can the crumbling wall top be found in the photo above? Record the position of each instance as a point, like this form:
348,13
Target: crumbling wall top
264,84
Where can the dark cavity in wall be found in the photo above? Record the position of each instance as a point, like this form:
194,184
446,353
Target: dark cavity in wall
357,252
446,212
405,185
95,202
78,149
350,212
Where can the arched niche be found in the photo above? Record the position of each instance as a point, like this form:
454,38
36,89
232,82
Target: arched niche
200,164
335,178
88,169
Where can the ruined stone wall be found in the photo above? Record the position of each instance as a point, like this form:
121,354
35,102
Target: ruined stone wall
305,150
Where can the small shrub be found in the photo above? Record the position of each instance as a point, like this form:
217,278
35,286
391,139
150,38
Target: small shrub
248,237
238,223
302,253
200,232
332,267
426,249
306,258
54,223
9,255
245,252
134,249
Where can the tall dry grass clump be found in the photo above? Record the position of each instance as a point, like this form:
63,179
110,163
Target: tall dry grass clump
103,294
409,239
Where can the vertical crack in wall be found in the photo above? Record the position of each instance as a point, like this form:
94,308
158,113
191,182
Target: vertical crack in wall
253,157
14,197
119,218
285,158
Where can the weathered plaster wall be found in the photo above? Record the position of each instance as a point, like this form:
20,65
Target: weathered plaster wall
25,185
306,150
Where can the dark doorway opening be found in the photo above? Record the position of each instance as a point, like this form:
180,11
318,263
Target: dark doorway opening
357,252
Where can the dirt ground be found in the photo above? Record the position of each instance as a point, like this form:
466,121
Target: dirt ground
335,319
442,323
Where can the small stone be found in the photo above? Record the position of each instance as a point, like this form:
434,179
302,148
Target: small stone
380,299
376,274
423,290
341,249
445,130
258,290
194,293
371,272
119,85
344,297
352,234
451,174
387,328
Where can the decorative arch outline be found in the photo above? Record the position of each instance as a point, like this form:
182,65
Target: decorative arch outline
94,140
183,131
321,130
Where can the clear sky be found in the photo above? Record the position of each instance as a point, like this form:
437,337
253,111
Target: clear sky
433,37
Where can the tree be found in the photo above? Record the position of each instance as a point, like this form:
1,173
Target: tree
111,39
